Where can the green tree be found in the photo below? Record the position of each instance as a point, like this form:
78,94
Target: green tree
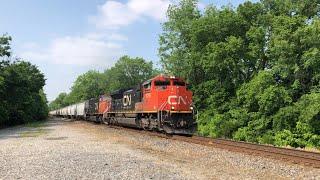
5,45
4,52
24,83
21,95
127,72
253,68
59,102
175,41
86,86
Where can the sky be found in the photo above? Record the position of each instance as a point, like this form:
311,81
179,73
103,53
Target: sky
66,38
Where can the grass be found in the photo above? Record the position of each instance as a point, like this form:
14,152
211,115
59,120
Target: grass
35,124
36,129
35,133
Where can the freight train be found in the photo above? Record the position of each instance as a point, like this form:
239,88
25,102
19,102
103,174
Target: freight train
163,103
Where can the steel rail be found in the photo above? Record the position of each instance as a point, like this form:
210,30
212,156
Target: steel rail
296,156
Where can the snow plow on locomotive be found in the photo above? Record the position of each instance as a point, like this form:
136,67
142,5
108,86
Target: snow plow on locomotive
162,103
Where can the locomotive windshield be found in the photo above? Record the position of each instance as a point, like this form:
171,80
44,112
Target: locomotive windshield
178,83
162,83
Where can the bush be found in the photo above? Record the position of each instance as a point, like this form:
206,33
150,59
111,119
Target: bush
285,138
255,68
21,97
272,99
299,125
285,118
249,93
222,125
309,119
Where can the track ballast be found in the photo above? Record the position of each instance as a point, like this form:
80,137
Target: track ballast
296,156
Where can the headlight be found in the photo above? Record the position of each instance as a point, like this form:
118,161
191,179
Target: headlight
191,108
172,107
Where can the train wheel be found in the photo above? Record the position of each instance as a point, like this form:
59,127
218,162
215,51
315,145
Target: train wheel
100,119
105,121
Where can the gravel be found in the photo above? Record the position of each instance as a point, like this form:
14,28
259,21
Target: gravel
62,149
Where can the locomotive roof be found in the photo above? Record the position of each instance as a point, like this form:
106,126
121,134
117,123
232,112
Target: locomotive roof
158,77
119,91
162,76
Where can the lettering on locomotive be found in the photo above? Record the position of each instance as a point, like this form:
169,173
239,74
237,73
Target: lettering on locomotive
126,100
174,100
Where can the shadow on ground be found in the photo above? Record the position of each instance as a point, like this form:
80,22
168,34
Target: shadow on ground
25,131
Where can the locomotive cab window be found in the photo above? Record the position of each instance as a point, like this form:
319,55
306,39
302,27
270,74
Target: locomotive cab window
147,85
178,83
162,83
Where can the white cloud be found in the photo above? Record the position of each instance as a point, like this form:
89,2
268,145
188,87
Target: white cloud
118,37
91,49
113,14
107,36
155,8
102,47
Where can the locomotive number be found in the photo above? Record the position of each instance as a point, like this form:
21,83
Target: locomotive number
126,100
173,100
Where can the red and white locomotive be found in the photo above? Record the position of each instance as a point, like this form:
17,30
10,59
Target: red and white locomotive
162,103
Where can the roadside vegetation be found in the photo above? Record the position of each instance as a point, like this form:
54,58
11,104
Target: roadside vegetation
22,99
254,69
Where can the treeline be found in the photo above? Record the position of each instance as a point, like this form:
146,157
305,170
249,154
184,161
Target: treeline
22,98
127,72
255,68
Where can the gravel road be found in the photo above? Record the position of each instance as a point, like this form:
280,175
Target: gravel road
63,149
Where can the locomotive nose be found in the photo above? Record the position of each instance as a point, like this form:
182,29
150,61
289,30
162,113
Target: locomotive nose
178,102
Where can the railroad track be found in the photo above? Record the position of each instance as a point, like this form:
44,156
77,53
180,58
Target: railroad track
306,158
296,156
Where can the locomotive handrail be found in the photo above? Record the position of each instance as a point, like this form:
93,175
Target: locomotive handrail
164,105
161,109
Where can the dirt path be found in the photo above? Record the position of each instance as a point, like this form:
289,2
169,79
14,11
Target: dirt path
60,149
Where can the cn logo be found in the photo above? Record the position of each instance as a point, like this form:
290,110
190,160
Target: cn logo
173,100
126,100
